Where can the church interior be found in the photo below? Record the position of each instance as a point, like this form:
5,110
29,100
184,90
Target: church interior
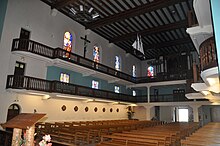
109,72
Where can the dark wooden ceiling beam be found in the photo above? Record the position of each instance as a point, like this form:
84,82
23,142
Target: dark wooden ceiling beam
62,4
150,31
167,44
146,8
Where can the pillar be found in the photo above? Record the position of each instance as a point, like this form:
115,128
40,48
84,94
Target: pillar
148,94
16,138
195,112
150,112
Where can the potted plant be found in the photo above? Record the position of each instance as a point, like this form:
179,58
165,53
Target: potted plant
130,113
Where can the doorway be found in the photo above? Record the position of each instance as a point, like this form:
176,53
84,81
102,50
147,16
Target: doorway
183,114
13,111
24,34
19,69
24,39
19,75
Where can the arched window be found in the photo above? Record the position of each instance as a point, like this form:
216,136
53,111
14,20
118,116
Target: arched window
67,43
134,71
134,93
150,71
95,84
117,63
117,89
64,77
96,54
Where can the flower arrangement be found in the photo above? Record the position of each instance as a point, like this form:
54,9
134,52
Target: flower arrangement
45,141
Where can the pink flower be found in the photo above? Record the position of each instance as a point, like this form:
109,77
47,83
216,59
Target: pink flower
47,138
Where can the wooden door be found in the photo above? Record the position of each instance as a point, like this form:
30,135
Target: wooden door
19,74
24,34
24,39
13,111
19,68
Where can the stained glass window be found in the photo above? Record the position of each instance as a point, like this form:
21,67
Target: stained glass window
150,71
96,54
95,84
134,93
134,71
117,89
64,77
117,63
67,44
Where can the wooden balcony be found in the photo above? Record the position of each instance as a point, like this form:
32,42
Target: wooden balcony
36,84
208,57
53,53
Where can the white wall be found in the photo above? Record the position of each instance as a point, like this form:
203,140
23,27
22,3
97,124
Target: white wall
47,29
140,113
34,16
52,107
166,113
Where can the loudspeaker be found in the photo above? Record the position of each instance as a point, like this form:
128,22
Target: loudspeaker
53,12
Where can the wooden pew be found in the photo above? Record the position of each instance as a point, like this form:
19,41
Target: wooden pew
126,140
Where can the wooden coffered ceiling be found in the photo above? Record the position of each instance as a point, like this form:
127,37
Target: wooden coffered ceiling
161,23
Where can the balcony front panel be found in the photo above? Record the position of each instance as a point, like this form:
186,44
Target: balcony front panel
168,98
208,57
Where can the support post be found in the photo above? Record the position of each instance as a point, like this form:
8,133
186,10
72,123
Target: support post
195,112
150,112
148,94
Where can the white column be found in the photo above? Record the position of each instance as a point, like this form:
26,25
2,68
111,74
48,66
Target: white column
195,112
150,112
148,94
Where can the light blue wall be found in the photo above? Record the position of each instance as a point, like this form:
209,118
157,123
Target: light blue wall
3,7
215,5
53,73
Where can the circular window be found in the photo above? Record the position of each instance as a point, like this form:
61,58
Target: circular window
76,108
86,109
111,110
117,110
95,109
63,108
103,110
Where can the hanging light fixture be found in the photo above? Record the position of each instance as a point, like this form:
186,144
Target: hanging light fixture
84,13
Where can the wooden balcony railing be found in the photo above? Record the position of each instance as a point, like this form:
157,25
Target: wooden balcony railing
207,51
46,51
30,83
168,98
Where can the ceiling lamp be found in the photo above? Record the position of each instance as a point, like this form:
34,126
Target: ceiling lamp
84,13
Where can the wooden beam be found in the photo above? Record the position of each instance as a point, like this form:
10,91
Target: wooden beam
150,31
146,8
167,44
62,4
